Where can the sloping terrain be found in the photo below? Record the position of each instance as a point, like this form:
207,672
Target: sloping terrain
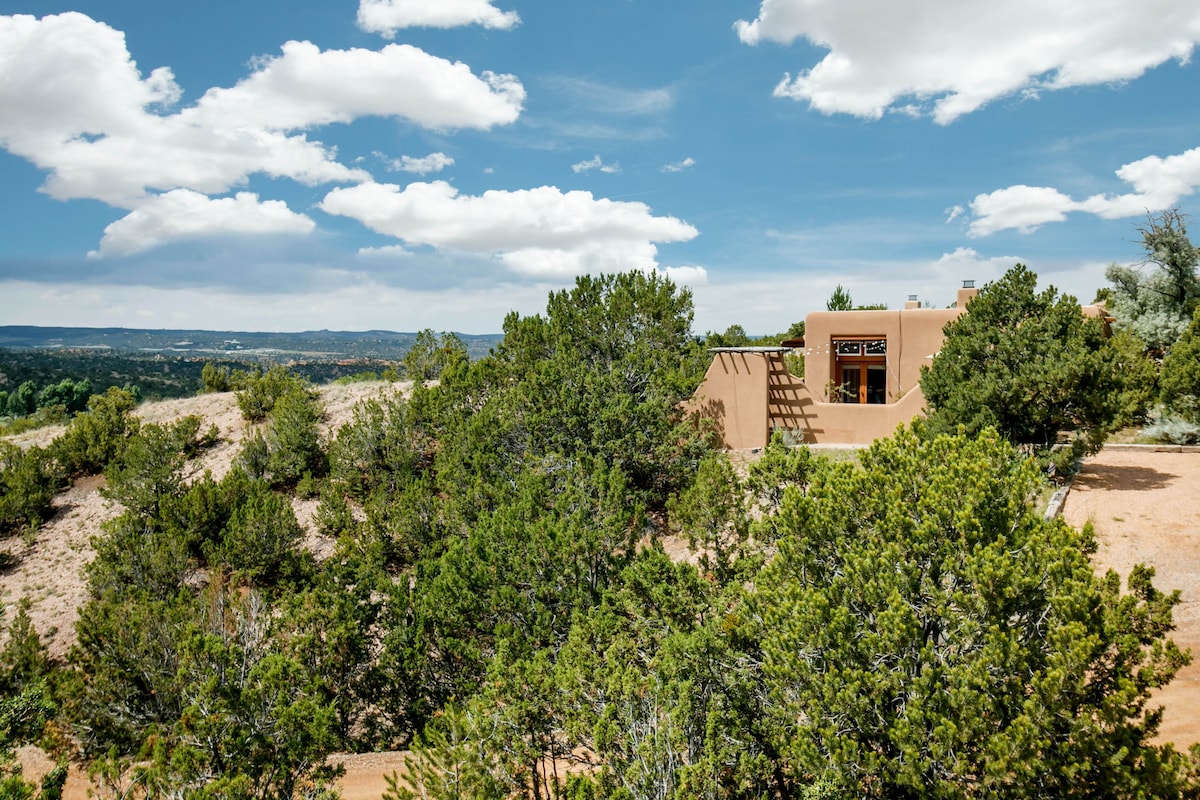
49,568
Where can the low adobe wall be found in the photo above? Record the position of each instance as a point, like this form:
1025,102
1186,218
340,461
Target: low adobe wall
734,395
749,393
851,423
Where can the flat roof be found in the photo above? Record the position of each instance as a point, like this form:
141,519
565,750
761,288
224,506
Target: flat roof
748,349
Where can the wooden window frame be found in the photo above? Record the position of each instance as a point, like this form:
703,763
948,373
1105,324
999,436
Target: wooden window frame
860,358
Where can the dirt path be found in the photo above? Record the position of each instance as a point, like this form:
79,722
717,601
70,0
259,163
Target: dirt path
1145,508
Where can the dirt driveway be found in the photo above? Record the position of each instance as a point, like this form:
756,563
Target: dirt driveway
1145,508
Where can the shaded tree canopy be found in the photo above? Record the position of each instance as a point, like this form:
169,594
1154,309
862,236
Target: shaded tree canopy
601,374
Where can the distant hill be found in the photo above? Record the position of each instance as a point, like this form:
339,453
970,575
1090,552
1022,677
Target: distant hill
304,345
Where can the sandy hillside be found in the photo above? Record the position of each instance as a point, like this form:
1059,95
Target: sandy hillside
49,568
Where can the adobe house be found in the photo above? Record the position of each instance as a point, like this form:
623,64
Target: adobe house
862,373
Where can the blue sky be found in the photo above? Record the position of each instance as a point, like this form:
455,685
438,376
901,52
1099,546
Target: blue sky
404,164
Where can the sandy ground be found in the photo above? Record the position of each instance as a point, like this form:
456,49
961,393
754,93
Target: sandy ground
364,777
49,569
1145,508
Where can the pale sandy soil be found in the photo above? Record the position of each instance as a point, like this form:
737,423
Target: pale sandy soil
1145,508
364,777
49,569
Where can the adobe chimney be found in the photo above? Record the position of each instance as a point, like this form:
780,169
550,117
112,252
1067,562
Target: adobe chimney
966,293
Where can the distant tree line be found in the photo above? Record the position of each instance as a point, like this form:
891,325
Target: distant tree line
68,395
62,381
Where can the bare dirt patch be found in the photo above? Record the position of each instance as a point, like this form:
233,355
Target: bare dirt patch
365,776
366,773
1145,508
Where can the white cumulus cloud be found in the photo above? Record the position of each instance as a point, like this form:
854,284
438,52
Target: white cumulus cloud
687,276
1024,208
679,166
385,17
1157,183
966,261
542,232
307,86
184,214
959,56
75,104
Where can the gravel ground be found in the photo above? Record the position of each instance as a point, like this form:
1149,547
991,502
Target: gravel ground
1145,508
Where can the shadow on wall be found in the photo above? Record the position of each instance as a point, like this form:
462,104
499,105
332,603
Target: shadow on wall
789,403
708,416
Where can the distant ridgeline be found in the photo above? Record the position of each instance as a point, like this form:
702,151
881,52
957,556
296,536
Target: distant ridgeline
242,345
168,363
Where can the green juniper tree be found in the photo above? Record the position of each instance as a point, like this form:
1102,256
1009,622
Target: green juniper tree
928,634
1180,380
431,354
98,436
29,480
1028,364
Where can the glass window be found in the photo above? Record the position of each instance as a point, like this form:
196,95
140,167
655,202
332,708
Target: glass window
861,370
876,392
860,347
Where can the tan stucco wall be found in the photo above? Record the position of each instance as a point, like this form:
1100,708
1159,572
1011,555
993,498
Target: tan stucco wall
734,394
851,423
749,393
913,335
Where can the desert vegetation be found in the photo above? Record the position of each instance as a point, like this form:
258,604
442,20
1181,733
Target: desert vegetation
541,579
